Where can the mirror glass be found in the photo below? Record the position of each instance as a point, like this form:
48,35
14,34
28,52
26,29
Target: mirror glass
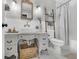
26,10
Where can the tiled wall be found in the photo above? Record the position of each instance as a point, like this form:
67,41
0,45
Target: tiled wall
14,21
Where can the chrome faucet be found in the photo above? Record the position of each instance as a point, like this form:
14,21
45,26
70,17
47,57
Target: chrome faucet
26,25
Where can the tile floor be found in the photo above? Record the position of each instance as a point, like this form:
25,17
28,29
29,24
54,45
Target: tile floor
71,55
52,55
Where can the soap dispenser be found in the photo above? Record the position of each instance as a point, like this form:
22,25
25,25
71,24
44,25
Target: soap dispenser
14,29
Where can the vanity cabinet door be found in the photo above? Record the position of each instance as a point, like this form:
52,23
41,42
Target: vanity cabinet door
10,45
43,43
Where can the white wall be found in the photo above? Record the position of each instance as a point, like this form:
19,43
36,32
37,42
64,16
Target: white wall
46,3
13,18
19,25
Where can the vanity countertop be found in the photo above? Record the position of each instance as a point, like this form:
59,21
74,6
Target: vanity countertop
38,33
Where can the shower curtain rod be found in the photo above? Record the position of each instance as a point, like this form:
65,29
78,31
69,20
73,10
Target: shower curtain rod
63,4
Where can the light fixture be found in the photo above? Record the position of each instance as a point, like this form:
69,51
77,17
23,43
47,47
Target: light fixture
15,1
14,6
37,6
38,11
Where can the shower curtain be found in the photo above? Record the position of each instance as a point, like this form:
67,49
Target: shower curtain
62,23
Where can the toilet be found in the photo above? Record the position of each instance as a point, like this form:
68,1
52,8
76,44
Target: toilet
57,45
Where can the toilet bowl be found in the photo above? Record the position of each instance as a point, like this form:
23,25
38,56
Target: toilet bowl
57,45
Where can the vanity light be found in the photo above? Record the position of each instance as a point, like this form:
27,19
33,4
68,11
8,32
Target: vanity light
38,11
15,1
14,6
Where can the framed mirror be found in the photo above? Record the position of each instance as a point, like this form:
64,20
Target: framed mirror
26,10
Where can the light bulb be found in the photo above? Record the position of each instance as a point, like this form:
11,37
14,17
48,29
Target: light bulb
14,6
38,12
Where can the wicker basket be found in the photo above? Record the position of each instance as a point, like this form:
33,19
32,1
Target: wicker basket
28,53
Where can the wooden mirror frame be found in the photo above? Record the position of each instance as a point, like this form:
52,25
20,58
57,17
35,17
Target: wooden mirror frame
25,16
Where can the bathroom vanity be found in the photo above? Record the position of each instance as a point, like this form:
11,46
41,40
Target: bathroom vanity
12,41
